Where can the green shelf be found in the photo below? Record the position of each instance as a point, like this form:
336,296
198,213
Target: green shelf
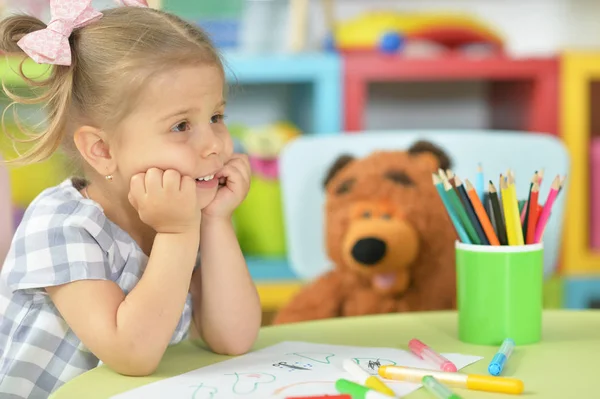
9,70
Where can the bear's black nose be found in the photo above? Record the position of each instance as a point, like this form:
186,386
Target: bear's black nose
369,251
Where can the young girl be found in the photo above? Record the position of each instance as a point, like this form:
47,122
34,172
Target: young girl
103,269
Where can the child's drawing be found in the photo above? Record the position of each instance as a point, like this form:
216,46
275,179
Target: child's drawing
247,383
372,364
315,356
203,392
292,367
287,369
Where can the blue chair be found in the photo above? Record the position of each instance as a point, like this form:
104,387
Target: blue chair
305,161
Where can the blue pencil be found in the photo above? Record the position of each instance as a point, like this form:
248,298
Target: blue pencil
480,185
460,230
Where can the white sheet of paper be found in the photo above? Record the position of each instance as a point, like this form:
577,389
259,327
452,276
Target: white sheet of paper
257,375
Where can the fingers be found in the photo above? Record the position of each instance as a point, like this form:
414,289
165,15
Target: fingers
154,181
171,180
242,162
137,189
188,184
236,173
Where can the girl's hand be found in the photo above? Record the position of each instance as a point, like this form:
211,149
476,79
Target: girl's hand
234,181
166,201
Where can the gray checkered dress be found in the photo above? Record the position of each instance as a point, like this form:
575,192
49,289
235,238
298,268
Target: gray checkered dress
63,237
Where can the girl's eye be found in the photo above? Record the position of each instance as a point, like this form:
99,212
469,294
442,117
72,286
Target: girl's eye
217,118
181,127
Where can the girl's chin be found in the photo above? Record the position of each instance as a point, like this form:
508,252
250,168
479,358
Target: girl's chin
205,198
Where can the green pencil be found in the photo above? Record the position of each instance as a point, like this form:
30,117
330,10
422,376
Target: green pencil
462,193
462,214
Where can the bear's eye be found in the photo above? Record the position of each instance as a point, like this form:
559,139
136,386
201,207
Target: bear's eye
386,216
366,214
400,177
345,186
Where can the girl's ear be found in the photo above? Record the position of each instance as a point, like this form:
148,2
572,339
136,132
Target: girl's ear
93,146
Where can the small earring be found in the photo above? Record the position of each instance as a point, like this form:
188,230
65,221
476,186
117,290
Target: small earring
108,177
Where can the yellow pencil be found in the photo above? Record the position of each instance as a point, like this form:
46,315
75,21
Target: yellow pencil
512,190
508,212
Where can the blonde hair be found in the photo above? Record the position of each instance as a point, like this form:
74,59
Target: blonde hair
112,60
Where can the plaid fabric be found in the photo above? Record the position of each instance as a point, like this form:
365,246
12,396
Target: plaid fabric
63,237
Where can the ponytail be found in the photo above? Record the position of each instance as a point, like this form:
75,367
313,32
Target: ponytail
55,92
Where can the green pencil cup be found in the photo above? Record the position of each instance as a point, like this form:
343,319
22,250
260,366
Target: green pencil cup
499,293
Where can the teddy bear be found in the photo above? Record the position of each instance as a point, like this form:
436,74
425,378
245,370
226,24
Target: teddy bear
388,236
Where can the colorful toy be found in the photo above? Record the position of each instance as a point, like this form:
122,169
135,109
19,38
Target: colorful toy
264,144
259,219
389,31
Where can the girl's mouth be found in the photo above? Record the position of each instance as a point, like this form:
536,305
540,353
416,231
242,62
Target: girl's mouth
207,181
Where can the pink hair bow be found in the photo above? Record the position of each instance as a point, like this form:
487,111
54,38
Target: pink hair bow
133,3
51,45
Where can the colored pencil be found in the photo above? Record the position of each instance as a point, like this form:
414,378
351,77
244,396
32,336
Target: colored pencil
499,193
462,192
482,215
509,214
500,225
480,183
450,175
562,184
525,214
460,211
540,177
521,204
524,210
486,201
532,214
460,230
490,210
512,191
543,220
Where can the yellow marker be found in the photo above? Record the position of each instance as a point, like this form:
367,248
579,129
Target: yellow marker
366,379
469,381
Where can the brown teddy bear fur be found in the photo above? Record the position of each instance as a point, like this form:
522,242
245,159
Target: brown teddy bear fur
388,235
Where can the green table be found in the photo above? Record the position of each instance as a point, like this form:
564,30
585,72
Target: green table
564,365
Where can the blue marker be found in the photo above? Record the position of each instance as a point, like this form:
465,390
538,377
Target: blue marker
497,363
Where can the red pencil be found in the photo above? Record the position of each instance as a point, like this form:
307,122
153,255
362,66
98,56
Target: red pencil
533,214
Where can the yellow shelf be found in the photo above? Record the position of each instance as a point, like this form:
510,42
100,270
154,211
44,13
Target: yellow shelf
579,69
274,295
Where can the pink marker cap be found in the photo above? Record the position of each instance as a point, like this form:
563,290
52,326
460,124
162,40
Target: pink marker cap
416,346
449,366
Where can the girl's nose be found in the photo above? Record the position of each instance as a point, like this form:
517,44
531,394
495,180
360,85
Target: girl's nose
210,143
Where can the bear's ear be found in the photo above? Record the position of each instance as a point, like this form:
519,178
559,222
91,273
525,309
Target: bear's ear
338,165
432,153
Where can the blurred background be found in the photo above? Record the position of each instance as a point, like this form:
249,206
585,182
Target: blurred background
327,67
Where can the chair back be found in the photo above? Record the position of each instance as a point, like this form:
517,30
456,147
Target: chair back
305,161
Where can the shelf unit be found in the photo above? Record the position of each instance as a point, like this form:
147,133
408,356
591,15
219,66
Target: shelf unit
316,86
516,84
580,72
320,71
